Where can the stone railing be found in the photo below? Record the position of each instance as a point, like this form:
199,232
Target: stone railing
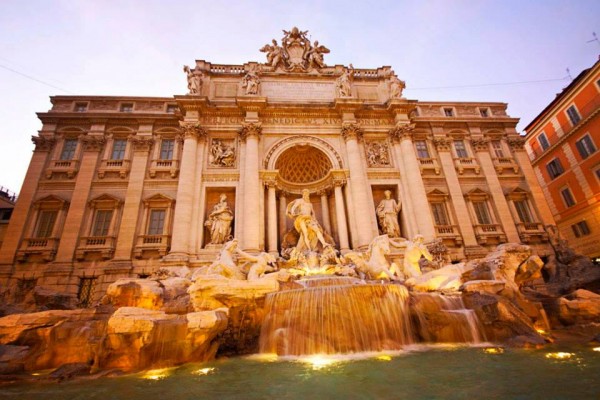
120,167
502,163
104,245
464,163
530,231
69,167
227,69
448,232
170,166
42,247
483,232
429,164
152,243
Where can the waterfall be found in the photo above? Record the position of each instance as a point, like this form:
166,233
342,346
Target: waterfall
331,316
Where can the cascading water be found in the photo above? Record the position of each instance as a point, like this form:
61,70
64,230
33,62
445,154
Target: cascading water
331,316
444,319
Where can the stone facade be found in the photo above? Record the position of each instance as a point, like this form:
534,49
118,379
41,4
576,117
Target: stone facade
563,142
120,186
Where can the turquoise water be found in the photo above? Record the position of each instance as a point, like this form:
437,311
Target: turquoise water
431,373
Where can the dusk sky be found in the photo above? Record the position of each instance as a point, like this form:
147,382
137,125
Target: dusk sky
509,51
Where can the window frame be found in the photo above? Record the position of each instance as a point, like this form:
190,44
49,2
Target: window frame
569,200
573,114
588,148
545,143
126,107
464,148
153,230
121,152
69,153
448,112
554,168
170,151
581,228
425,148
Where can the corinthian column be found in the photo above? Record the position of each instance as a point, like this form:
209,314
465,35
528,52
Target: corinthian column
487,165
325,211
193,135
340,214
414,181
92,145
366,226
17,224
250,133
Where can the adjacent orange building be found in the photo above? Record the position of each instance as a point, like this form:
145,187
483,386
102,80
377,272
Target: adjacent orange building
563,144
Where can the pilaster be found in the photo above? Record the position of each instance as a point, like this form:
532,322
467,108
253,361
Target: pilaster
250,134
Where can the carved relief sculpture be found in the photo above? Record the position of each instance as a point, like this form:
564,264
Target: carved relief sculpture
221,155
194,79
378,154
219,221
387,214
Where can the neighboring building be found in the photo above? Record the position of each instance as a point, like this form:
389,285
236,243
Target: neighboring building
7,203
562,142
120,186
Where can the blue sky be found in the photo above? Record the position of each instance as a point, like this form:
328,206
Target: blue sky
439,47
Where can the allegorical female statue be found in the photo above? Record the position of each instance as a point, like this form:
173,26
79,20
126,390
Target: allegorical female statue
387,213
219,221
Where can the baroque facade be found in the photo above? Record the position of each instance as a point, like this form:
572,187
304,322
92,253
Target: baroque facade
562,142
120,186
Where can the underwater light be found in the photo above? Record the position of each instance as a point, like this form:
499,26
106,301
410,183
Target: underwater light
204,371
596,349
384,357
157,374
319,362
559,355
493,350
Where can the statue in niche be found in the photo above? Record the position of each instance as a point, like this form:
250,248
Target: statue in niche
414,250
387,214
221,155
274,53
377,154
194,79
305,223
314,56
251,82
219,221
343,84
396,87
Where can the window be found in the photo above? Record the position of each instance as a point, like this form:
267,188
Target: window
422,151
580,229
80,107
86,291
166,149
597,172
461,151
126,107
554,168
439,213
497,146
485,112
5,214
45,224
102,222
118,150
567,197
449,112
585,146
573,115
68,150
523,211
482,213
171,108
157,222
543,140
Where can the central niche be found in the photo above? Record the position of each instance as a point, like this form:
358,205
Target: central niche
303,164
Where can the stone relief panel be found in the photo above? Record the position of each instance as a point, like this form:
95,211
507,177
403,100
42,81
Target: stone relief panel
222,153
378,154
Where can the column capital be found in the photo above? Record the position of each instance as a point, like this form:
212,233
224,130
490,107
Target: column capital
481,144
516,143
441,143
351,130
140,143
192,130
92,143
401,131
323,192
250,129
43,143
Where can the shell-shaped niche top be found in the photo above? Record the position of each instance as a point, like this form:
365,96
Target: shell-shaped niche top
303,164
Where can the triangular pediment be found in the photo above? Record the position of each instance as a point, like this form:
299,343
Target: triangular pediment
51,199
